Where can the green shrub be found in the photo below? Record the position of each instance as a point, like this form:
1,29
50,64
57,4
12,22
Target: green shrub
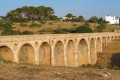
10,32
101,26
99,66
27,33
34,25
20,20
74,25
61,31
23,24
83,29
50,23
42,22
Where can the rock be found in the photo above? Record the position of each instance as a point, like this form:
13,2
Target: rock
103,74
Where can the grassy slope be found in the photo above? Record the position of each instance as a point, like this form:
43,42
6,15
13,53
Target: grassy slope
47,28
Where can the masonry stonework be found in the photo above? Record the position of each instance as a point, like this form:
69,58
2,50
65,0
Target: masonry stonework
70,50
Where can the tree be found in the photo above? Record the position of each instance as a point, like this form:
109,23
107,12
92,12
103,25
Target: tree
81,19
100,20
69,15
32,13
83,29
93,19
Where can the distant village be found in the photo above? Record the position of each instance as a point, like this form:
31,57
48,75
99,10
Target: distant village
113,20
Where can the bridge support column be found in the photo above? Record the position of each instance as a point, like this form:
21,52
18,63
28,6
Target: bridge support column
76,55
52,55
95,51
101,45
106,42
89,61
65,54
36,56
16,57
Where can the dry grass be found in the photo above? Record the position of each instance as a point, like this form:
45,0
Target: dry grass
47,28
110,54
30,72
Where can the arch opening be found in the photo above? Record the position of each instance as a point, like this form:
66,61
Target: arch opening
6,54
26,54
108,39
45,54
104,42
92,52
98,45
112,38
82,52
71,54
59,54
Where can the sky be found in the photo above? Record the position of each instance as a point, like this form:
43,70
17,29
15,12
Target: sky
86,8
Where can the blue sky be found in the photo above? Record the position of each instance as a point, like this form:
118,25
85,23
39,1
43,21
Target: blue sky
86,8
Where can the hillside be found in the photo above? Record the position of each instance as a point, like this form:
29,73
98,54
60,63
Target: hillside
49,27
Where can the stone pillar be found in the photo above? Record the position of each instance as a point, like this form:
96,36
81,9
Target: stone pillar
110,39
89,61
95,50
101,45
36,56
76,55
16,57
105,42
65,54
52,55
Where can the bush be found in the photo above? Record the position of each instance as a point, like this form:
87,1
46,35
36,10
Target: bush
50,23
83,29
23,24
5,26
27,33
34,25
10,32
101,26
20,20
62,31
74,25
42,22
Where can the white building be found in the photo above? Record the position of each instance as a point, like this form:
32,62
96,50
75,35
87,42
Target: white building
112,20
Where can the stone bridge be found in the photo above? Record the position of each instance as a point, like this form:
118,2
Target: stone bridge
70,50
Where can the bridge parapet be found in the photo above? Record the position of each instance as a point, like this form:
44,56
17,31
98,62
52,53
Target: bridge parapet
18,38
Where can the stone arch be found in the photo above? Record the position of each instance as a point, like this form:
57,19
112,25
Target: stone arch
116,37
112,37
6,54
104,42
45,54
98,45
92,51
108,39
59,54
82,51
70,54
27,54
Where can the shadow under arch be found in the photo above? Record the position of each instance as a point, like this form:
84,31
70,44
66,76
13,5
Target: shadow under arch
26,54
6,53
115,59
108,39
71,54
92,51
59,54
98,45
104,42
82,51
45,54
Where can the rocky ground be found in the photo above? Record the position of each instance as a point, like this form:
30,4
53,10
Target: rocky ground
30,72
107,68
